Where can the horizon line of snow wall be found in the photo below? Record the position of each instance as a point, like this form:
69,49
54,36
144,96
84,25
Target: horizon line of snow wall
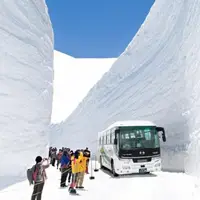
156,79
26,76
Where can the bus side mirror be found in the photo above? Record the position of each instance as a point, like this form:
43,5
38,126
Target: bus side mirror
163,137
161,129
115,141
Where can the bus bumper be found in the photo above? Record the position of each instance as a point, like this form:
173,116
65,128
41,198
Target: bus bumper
142,167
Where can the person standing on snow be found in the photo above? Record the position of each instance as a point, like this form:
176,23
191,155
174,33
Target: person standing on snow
50,149
71,153
81,170
39,176
75,171
53,157
65,161
86,153
58,157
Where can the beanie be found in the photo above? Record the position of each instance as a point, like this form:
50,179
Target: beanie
38,159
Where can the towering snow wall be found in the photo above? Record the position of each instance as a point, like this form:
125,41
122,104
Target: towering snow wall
73,78
26,75
157,79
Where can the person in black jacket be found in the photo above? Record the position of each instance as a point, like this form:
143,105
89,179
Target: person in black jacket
53,156
71,153
86,153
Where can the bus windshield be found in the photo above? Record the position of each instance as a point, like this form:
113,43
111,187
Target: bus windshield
138,137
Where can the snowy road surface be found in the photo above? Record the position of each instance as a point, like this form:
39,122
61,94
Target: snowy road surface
160,186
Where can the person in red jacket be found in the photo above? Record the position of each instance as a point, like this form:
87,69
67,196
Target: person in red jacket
58,157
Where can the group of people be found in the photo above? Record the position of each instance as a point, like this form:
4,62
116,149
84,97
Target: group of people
73,165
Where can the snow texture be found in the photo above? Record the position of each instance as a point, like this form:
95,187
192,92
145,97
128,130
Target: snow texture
73,79
157,186
156,79
26,76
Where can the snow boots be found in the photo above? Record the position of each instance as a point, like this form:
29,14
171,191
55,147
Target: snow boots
72,189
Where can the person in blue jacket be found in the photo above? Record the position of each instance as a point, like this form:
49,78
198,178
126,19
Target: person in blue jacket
65,166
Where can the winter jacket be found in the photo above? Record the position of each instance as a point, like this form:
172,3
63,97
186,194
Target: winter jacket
82,162
75,165
59,156
53,154
39,168
65,161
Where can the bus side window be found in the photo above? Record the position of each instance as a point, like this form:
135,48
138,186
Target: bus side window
117,137
108,138
112,136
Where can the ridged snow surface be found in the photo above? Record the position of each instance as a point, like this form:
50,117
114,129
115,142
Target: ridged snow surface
157,78
73,79
26,75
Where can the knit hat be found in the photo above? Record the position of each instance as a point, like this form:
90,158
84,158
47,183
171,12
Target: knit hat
38,159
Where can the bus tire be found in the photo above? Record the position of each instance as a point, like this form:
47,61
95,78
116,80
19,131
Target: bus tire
113,169
101,165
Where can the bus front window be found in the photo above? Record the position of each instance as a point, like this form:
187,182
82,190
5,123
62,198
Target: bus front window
138,137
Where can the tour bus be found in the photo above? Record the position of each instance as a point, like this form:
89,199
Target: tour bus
128,147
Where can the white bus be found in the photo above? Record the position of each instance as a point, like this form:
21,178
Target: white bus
128,147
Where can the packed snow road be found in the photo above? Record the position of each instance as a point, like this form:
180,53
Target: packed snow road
159,186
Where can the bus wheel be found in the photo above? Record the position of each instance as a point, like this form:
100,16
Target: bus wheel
113,169
101,166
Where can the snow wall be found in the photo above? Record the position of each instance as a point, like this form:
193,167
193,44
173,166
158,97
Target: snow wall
26,75
73,79
157,79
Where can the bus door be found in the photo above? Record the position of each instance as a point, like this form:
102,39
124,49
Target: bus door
116,142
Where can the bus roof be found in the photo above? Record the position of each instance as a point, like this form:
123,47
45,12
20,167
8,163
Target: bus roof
130,123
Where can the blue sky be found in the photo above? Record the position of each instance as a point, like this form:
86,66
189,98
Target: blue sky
92,28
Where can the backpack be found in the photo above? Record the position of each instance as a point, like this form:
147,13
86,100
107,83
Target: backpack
31,175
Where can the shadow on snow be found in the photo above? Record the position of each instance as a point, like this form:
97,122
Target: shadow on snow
108,172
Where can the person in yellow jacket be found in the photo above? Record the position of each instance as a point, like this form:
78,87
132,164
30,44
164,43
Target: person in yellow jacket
81,170
75,170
